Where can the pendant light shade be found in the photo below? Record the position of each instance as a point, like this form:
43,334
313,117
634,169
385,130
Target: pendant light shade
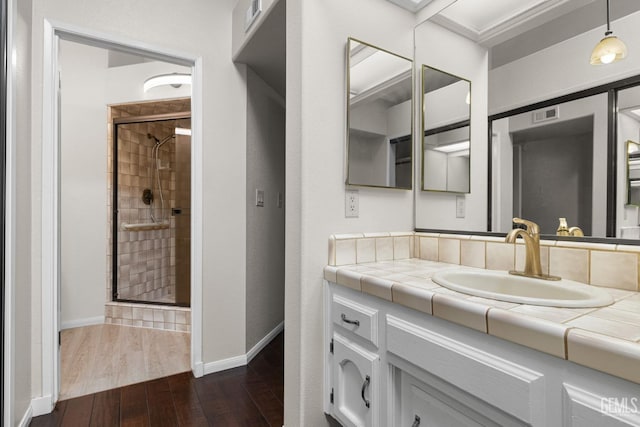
610,49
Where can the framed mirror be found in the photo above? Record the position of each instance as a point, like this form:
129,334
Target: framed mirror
379,117
446,113
633,173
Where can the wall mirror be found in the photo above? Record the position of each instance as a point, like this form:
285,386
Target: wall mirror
446,113
545,166
536,71
379,117
633,173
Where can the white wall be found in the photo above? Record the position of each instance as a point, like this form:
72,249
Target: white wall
502,176
399,119
83,183
18,370
370,156
628,129
88,87
562,68
433,47
265,225
446,105
240,36
317,34
202,29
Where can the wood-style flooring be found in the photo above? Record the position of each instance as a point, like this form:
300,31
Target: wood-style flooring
251,395
101,357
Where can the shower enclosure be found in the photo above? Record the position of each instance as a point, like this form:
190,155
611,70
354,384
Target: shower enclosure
150,206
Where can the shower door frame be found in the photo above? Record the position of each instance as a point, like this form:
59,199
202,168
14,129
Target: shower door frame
114,200
50,204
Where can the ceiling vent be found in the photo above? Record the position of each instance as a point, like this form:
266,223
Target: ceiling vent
546,114
254,9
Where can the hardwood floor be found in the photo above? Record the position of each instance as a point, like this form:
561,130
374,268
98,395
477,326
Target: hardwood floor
251,395
101,357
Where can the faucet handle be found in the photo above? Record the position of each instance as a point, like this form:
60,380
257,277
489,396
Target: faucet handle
532,227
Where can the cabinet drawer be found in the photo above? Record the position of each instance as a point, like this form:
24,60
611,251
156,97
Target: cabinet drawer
516,389
355,317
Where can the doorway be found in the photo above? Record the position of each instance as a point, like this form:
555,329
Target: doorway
151,203
51,207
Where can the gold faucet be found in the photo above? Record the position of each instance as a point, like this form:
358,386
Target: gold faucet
576,232
531,237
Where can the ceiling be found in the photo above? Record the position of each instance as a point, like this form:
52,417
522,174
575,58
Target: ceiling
512,29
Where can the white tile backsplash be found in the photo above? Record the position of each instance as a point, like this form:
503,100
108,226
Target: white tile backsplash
614,266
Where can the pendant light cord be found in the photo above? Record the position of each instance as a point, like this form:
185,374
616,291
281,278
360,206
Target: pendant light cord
608,20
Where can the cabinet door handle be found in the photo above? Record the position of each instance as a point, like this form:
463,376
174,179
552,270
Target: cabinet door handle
365,384
416,422
349,321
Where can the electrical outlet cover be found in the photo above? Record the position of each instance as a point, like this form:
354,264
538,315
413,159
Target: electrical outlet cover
351,204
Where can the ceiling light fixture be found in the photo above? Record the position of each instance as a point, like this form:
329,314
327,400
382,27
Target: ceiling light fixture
610,48
183,131
175,79
450,148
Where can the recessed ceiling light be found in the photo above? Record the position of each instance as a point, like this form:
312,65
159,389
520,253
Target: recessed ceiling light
450,148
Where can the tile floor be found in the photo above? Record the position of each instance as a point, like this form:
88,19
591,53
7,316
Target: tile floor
101,357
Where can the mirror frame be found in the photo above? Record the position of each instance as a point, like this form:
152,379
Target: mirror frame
348,114
612,91
452,126
628,180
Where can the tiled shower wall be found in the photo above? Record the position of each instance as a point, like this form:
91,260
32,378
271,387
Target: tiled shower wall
146,259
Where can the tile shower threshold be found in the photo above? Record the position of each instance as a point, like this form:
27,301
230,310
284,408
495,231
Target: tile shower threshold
156,316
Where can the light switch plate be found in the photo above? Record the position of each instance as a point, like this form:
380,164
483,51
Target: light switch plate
460,206
351,204
260,198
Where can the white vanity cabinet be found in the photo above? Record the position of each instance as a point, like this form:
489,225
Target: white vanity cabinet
353,362
355,383
416,370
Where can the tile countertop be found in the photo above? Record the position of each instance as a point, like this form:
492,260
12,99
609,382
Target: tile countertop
606,339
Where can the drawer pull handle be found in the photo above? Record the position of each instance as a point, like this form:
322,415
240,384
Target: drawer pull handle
349,321
365,384
416,422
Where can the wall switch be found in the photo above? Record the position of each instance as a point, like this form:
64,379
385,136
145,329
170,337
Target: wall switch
280,199
260,198
352,208
460,201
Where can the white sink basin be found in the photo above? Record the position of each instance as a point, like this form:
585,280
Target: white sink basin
500,285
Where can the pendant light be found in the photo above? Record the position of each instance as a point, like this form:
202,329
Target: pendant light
610,48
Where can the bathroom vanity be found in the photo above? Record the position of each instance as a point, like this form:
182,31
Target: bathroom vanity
402,351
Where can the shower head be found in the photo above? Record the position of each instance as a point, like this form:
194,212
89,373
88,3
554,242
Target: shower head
153,137
160,143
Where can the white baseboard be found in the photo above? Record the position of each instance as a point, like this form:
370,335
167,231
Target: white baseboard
26,419
223,365
198,369
264,342
234,362
41,405
87,321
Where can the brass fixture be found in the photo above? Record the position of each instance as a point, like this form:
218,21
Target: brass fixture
576,232
563,229
531,237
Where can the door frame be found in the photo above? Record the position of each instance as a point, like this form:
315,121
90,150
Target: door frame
50,241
